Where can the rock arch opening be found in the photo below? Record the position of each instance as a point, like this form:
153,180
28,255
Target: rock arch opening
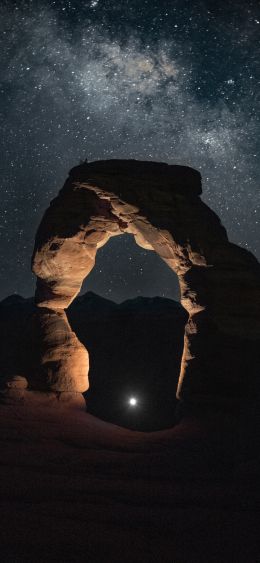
160,206
133,334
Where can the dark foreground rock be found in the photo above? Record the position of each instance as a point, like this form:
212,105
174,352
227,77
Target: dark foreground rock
74,489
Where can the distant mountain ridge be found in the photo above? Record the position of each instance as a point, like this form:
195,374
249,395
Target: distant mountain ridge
90,298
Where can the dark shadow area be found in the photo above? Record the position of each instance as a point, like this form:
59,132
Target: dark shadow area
135,352
16,343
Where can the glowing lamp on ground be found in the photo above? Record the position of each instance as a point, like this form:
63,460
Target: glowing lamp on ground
133,402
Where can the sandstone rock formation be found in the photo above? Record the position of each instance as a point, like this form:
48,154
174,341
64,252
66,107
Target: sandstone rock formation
64,360
160,205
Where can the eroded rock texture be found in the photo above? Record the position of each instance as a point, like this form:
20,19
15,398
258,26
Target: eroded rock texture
160,205
64,360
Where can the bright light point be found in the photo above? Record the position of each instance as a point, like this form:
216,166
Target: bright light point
133,402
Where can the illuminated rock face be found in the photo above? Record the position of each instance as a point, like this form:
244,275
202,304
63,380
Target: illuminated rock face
64,360
160,205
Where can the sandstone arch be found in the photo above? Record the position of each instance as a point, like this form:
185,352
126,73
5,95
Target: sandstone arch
160,205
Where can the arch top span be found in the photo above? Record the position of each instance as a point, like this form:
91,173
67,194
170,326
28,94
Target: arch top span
160,205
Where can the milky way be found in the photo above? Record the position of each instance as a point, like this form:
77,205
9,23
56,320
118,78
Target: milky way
170,81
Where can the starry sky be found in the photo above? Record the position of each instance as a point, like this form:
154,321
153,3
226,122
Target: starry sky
167,80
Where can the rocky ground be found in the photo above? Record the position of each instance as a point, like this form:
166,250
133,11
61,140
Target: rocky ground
75,488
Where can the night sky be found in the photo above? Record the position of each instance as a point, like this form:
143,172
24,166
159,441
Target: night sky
167,80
